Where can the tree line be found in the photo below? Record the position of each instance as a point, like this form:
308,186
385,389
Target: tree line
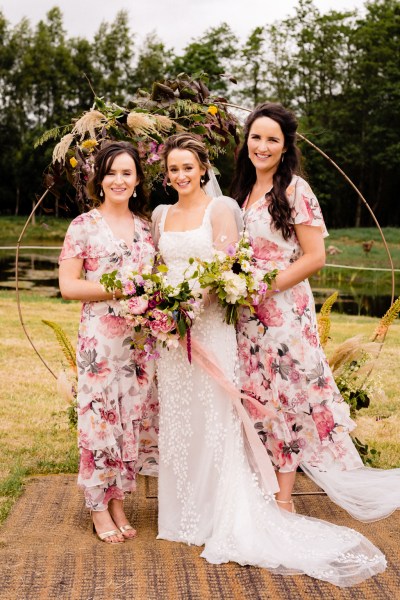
338,71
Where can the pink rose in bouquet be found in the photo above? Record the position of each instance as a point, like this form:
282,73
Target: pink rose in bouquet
161,322
137,305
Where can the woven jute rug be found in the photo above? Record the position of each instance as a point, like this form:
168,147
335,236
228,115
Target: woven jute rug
47,551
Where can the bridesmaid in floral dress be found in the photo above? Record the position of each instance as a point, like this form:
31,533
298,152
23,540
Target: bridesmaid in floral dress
281,360
117,407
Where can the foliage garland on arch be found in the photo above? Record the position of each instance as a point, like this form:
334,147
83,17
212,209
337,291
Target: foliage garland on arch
182,104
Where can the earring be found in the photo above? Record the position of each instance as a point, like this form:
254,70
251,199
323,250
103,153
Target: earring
101,192
202,181
134,193
169,183
282,157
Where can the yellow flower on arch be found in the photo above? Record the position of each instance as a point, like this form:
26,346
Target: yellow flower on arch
212,109
89,144
73,162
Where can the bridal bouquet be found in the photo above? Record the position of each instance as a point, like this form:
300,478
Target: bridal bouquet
157,310
234,278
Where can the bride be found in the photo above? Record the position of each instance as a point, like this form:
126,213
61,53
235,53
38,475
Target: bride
208,492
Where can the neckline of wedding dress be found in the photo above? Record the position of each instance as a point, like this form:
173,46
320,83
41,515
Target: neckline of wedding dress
166,209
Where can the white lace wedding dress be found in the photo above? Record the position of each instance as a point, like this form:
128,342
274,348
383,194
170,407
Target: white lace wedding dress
208,493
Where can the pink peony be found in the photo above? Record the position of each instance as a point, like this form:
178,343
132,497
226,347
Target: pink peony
323,420
300,298
265,250
269,314
138,305
87,464
111,326
161,323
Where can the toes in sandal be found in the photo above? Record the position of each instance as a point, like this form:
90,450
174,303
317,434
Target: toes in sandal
107,534
125,528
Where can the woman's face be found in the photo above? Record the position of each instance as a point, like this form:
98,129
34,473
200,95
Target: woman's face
184,171
266,144
120,180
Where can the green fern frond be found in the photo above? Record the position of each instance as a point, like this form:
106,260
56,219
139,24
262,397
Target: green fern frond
324,320
187,108
52,134
66,346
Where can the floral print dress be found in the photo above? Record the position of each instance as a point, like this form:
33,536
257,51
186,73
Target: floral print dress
117,403
281,360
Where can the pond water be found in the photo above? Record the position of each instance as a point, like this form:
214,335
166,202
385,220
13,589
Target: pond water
38,272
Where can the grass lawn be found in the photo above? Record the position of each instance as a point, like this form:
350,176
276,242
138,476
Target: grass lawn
349,242
48,231
35,437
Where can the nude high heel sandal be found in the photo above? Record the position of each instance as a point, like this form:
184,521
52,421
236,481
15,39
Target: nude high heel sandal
293,511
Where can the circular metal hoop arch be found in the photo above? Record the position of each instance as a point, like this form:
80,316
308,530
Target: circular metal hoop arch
227,104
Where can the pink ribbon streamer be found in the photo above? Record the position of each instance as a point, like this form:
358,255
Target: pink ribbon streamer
260,462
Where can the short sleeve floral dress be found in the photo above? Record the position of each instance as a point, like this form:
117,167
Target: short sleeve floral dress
117,402
281,360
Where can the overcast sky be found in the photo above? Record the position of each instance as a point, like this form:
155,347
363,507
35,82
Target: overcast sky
175,21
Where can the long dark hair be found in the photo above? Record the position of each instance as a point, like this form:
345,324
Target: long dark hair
102,164
245,173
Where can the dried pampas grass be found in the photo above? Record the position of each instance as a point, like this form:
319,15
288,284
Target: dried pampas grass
350,350
141,123
62,148
163,123
90,121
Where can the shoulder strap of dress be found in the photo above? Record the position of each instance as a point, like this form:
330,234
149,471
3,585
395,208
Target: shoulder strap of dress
163,217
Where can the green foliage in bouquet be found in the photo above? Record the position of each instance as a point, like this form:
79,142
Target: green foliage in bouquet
152,305
174,105
234,278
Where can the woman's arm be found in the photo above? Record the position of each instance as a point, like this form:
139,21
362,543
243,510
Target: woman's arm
312,243
72,287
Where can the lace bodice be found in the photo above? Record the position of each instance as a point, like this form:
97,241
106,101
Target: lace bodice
176,247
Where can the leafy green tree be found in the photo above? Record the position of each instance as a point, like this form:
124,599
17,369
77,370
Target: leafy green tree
152,63
375,103
214,53
113,59
252,70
